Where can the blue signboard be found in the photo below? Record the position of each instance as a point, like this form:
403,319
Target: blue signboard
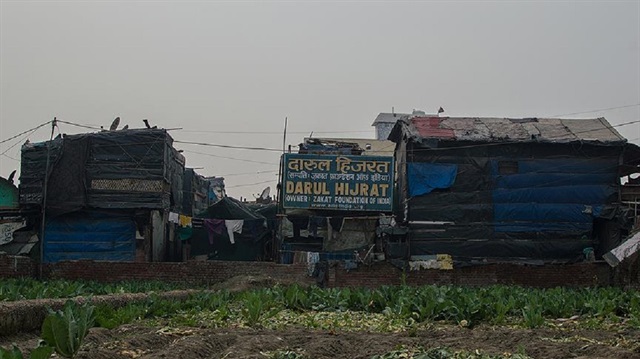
350,183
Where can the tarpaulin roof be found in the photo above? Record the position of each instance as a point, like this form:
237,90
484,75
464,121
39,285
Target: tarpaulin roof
479,129
230,208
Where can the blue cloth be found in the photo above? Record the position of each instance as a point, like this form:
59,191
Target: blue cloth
425,177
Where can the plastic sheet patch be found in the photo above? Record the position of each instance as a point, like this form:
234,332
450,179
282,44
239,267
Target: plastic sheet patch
425,177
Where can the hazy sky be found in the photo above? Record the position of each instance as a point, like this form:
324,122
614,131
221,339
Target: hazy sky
213,67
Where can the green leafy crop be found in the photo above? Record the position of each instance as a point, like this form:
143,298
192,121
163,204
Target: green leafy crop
65,329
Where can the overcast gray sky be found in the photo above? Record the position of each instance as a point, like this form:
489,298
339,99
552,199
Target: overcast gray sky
211,67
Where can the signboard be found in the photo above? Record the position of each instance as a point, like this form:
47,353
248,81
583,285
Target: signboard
351,183
7,229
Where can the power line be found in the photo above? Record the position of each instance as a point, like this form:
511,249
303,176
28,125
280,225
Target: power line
22,133
230,158
7,156
229,146
95,127
252,184
599,110
21,140
246,173
271,132
80,125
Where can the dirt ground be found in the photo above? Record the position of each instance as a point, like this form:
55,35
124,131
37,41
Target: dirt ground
143,341
139,341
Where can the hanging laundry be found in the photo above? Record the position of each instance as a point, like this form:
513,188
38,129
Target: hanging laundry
184,233
214,226
336,223
174,217
185,221
312,259
197,222
286,228
315,223
299,223
233,225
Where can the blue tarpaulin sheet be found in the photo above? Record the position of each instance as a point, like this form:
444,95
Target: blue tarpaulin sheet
425,177
90,236
532,227
545,212
570,166
528,180
585,194
552,195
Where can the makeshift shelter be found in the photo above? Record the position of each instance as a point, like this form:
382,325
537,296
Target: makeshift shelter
200,192
108,191
532,188
16,234
232,230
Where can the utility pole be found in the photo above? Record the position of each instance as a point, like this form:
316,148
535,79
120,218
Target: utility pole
44,199
280,216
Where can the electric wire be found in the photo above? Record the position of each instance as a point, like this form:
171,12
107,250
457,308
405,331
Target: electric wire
599,110
272,132
21,140
80,125
278,150
230,158
252,184
22,133
266,149
245,173
229,146
7,156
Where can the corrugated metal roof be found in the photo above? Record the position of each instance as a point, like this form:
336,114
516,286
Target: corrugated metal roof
512,129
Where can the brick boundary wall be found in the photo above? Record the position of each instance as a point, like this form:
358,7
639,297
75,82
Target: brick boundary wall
550,275
377,274
17,266
192,272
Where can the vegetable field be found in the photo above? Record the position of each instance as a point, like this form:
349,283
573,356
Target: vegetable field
27,288
388,322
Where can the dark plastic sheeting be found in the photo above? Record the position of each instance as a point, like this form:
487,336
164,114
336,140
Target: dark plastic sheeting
545,212
530,200
130,156
499,249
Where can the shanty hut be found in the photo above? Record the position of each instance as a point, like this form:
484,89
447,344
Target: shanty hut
108,193
511,189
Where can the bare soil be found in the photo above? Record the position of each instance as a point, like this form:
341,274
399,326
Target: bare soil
140,341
